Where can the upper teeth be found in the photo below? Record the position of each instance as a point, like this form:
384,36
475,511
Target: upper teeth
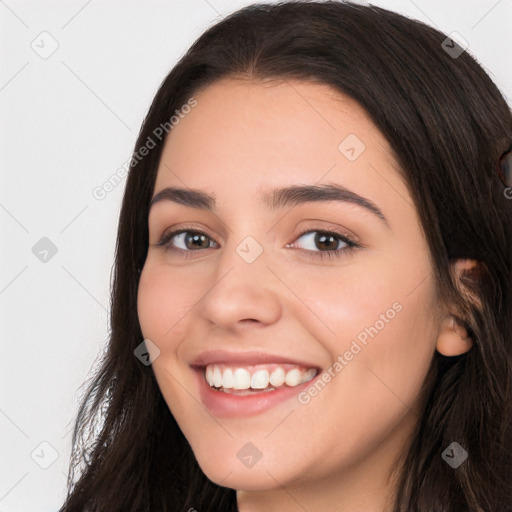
257,377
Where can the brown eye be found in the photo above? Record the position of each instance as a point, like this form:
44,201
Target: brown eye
323,241
327,242
195,240
322,244
186,240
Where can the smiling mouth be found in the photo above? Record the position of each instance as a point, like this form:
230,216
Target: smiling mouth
245,380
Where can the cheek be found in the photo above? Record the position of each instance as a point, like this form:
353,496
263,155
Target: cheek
379,324
164,303
383,346
376,300
164,299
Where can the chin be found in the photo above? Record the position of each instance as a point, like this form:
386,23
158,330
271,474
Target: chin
243,479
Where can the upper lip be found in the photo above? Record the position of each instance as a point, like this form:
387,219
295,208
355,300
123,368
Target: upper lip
245,358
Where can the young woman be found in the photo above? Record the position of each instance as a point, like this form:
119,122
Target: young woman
312,298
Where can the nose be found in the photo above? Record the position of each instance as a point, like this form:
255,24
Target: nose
241,294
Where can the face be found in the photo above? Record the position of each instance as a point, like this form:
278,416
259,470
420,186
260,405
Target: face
251,287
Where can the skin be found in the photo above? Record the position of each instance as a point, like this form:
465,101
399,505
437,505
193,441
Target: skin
337,452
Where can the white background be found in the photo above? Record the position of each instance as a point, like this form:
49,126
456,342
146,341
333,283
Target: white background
68,122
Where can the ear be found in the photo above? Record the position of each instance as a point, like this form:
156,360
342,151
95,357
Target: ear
453,338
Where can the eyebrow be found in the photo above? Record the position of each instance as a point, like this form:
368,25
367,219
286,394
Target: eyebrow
274,199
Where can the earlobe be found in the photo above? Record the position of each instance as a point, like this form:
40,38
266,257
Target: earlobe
453,338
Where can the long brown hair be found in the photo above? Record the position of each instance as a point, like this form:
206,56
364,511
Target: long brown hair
447,124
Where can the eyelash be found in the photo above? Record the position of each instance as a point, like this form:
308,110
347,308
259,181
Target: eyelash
165,242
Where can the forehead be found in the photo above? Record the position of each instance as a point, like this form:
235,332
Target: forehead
246,135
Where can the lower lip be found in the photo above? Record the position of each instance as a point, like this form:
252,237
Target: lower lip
227,405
